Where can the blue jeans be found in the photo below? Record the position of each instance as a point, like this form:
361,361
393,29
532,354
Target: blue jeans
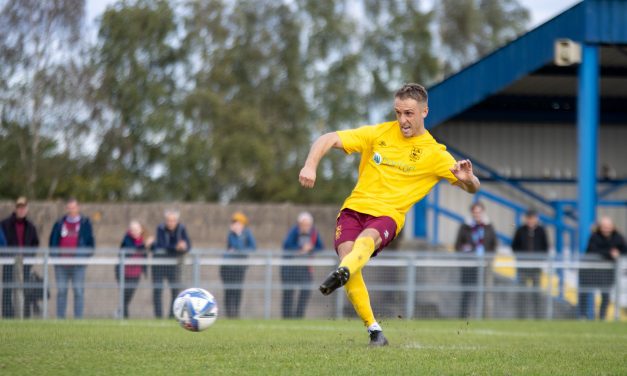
64,274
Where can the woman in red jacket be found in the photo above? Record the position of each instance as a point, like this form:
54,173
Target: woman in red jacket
134,244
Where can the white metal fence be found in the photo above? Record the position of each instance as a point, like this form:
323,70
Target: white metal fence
269,284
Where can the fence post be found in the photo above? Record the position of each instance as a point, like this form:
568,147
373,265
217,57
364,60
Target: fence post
618,267
267,311
18,285
195,269
46,284
549,294
122,283
481,286
339,305
410,301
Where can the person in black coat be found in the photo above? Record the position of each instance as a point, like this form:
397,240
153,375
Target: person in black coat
530,239
20,233
172,242
607,244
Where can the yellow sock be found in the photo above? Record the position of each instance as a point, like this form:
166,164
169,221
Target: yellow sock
359,255
358,296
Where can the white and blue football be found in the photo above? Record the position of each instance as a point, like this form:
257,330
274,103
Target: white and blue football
195,309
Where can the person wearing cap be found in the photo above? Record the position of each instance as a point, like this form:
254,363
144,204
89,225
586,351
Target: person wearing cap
530,239
171,242
72,236
301,241
240,241
19,232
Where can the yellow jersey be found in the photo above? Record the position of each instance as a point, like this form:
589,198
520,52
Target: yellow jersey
395,172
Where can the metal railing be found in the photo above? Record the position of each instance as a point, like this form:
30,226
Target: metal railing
401,284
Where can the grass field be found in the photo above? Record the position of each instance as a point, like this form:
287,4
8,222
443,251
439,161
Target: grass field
312,347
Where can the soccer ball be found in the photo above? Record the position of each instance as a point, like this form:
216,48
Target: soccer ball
195,309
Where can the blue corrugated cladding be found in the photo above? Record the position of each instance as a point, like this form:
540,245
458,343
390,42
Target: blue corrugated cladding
606,21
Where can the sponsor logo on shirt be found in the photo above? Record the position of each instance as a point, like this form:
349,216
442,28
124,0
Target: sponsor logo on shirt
381,160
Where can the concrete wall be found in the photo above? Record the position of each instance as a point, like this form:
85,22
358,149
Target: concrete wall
207,223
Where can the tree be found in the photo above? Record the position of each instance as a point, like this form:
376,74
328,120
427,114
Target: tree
469,29
41,82
136,102
246,108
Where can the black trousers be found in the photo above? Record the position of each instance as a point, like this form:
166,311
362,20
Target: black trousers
595,279
8,278
469,277
130,285
161,273
532,297
232,275
584,304
292,276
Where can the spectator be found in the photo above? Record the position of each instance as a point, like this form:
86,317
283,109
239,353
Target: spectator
135,243
18,232
607,244
72,238
475,237
240,242
529,239
302,240
172,243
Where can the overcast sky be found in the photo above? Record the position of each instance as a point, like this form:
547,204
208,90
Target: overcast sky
541,10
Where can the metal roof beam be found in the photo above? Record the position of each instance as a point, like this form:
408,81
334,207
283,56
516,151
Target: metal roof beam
606,72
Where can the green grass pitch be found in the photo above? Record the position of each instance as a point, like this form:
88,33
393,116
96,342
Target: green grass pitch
307,347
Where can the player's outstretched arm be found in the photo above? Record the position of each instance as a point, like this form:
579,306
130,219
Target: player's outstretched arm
466,178
320,147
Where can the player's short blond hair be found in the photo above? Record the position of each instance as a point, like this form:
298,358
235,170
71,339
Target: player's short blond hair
414,91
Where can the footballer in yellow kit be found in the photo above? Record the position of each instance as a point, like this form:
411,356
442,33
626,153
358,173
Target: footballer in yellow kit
400,163
395,172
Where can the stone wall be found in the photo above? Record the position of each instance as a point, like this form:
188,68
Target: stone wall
207,223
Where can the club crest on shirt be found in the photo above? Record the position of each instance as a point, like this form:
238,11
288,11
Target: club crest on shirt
377,158
415,154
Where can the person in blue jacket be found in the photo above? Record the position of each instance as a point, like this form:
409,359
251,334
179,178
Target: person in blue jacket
71,237
301,242
240,242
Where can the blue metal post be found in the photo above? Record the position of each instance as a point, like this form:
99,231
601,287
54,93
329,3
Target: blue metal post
559,243
435,195
559,228
420,219
587,137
